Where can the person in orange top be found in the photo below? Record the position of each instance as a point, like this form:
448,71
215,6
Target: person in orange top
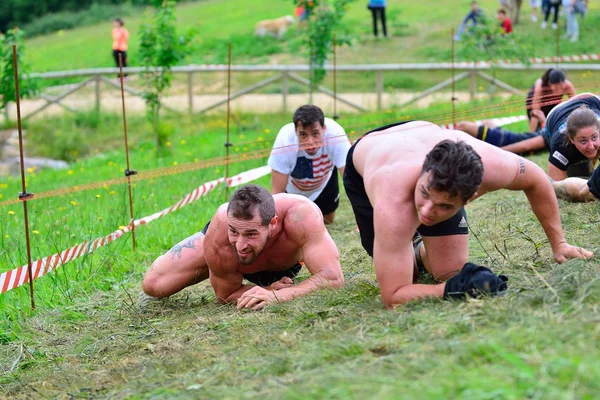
120,37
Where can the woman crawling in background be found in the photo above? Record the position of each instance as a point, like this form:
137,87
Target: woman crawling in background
519,143
545,94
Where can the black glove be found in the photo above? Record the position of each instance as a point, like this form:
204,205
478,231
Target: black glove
474,280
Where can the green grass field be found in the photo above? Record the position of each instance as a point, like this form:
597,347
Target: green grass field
87,338
419,33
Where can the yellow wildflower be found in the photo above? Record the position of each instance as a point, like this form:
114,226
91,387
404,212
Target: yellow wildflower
11,213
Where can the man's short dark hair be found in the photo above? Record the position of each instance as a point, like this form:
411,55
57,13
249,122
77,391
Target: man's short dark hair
119,21
455,169
249,199
308,115
502,11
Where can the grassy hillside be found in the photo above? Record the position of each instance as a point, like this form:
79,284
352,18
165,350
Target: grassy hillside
88,339
420,32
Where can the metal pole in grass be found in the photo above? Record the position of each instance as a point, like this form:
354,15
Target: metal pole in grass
453,80
557,46
335,114
227,143
128,171
23,196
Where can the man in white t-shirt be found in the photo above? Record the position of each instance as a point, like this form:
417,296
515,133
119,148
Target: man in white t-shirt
306,157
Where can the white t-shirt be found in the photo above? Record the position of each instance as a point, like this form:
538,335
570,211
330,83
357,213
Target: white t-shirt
308,174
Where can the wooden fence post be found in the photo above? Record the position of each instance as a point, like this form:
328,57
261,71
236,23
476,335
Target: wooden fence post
97,90
284,91
379,89
190,93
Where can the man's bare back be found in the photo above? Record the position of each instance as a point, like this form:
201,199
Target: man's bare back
241,243
414,176
398,153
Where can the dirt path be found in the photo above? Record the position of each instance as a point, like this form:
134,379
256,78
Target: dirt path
258,103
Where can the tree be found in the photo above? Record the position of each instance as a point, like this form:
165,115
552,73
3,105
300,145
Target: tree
28,87
161,47
325,19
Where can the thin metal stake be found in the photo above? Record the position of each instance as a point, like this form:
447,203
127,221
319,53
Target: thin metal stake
335,114
453,80
227,143
128,171
23,196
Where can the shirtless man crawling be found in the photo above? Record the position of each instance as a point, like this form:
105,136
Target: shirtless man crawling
258,237
418,177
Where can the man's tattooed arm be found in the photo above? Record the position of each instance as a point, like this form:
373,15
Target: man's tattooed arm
521,165
189,243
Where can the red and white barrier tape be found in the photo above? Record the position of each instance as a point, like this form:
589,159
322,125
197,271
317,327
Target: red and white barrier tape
534,60
19,276
498,121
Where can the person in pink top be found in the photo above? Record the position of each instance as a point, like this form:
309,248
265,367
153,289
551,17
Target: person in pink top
120,37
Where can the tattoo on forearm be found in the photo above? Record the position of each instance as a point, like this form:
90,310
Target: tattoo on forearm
521,166
188,244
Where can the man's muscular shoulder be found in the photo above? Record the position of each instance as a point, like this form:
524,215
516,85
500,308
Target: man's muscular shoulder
302,219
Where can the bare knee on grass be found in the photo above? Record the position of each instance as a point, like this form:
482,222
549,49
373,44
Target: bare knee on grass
164,279
329,218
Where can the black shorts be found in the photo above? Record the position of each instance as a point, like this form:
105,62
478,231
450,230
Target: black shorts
363,210
265,278
594,184
329,199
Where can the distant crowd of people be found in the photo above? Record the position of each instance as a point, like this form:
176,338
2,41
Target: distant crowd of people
510,9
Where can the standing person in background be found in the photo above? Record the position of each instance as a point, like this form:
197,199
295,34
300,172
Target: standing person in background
571,17
534,6
505,22
515,10
472,16
546,93
120,38
377,7
505,4
551,5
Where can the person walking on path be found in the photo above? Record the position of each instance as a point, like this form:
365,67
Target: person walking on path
377,8
120,38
